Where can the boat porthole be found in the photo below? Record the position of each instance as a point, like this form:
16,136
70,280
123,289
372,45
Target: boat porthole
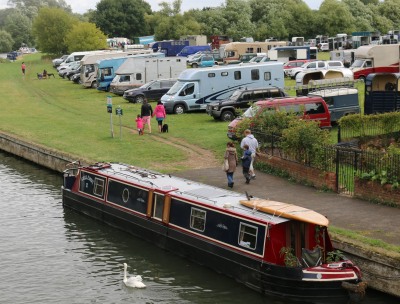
125,195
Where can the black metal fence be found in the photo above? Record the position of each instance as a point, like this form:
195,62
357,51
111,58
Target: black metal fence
346,162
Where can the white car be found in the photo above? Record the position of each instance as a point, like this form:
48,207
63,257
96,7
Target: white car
315,65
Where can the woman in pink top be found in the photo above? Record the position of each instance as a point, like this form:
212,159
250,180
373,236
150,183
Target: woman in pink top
160,114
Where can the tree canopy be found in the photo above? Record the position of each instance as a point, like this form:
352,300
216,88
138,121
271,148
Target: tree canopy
122,18
50,28
84,36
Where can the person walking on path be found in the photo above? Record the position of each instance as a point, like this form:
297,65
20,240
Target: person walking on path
160,114
146,113
23,68
246,161
139,124
231,156
252,143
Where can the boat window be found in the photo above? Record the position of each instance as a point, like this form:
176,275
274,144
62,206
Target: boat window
248,236
198,219
98,187
158,206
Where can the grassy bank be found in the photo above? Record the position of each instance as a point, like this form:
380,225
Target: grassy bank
67,117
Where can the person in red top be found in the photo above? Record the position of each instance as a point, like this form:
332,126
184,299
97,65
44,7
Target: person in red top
160,114
23,67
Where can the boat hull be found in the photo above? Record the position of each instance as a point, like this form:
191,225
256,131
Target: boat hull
266,278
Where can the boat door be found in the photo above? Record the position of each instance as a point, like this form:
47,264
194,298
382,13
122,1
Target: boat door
160,207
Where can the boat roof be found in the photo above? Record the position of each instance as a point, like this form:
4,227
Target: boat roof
185,189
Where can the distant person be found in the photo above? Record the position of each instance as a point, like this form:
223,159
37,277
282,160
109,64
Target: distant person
252,143
160,114
23,68
139,124
231,156
246,161
146,113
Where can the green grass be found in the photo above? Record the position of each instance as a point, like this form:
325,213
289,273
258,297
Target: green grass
67,117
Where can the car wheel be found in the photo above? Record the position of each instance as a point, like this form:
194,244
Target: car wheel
139,99
179,109
195,65
362,78
227,116
94,85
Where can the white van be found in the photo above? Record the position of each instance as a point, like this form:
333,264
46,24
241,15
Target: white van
196,88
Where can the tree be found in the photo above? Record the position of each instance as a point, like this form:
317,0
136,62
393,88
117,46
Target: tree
30,8
363,14
391,10
84,36
237,14
334,17
6,42
19,26
122,18
50,28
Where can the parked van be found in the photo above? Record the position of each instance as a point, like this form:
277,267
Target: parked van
315,65
226,110
309,108
193,49
340,101
196,88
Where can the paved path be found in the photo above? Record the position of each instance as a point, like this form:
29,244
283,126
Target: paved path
371,220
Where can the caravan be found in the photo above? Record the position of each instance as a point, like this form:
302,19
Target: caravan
196,88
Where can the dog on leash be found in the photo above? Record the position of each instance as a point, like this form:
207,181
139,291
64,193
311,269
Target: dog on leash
50,74
164,128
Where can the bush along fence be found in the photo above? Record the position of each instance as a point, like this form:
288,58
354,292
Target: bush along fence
343,169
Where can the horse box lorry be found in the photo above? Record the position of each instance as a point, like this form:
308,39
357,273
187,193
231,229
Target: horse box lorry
196,88
135,72
375,59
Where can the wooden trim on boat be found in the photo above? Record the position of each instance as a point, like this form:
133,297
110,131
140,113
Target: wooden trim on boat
150,202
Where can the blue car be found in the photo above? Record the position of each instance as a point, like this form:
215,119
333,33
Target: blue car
202,61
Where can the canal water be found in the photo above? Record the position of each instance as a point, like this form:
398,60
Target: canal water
49,254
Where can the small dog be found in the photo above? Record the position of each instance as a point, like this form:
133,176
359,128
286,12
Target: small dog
164,128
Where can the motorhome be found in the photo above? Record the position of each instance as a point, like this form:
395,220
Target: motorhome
89,67
135,72
233,50
196,88
106,69
375,59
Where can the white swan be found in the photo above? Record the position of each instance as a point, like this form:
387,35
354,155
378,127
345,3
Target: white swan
135,281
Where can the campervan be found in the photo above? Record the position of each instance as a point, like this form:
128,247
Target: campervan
233,50
135,72
196,88
308,108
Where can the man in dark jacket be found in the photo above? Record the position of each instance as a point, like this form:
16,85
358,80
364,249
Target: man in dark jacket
146,113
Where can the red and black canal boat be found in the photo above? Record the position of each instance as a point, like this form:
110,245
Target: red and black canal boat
274,248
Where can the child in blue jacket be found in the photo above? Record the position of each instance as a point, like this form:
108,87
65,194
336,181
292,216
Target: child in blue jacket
246,161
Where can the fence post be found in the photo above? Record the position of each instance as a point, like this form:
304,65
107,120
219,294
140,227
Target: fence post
337,169
339,137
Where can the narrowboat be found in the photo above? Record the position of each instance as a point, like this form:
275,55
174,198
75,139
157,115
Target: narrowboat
275,248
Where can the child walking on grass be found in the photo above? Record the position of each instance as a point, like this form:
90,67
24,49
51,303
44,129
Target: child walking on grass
139,124
246,161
